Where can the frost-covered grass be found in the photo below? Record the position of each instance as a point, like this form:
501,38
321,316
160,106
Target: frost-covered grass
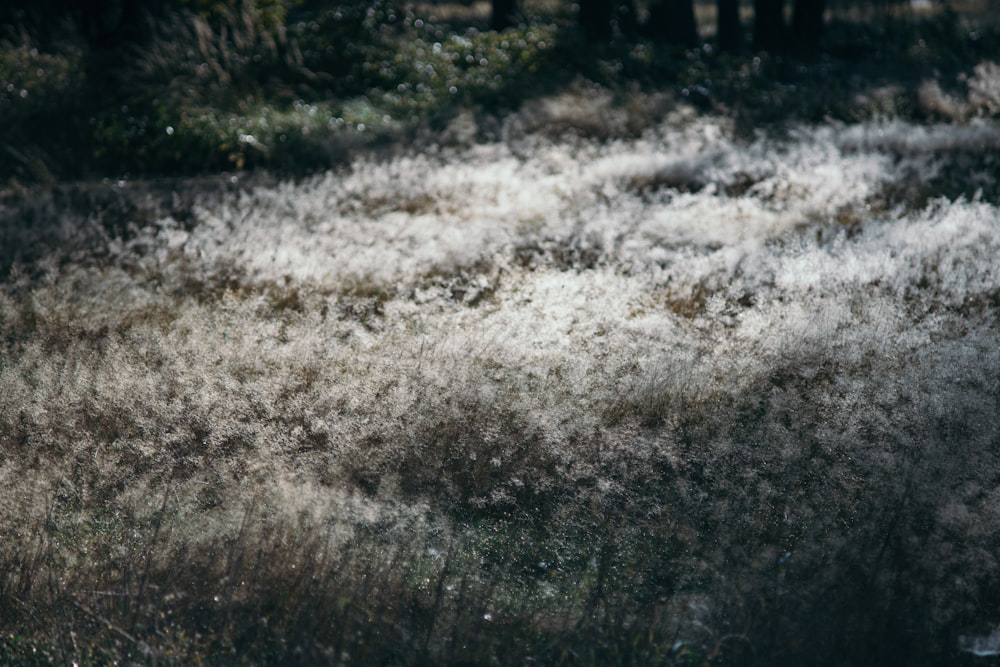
669,399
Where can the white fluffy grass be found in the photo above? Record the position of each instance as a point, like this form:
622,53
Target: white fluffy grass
623,306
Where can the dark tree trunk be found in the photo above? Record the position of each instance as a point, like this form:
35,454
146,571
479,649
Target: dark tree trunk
110,23
504,14
730,31
768,25
628,19
807,26
595,19
673,21
110,28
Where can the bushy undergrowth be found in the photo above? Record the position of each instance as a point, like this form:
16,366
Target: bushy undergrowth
298,87
674,398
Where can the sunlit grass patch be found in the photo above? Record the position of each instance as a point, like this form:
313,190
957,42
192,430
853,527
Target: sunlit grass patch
572,394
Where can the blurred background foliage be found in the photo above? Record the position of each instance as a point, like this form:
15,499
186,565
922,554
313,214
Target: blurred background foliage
118,88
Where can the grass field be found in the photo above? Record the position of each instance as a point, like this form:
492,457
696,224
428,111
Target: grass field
607,377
